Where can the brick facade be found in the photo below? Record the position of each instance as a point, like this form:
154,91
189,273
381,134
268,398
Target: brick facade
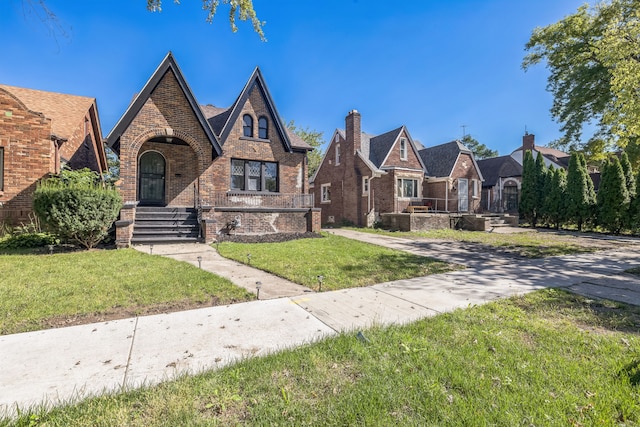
37,136
349,202
197,173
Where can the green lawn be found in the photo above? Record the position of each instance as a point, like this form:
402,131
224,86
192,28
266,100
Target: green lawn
548,359
39,291
530,244
343,263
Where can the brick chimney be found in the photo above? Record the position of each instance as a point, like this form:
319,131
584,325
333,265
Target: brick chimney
353,130
528,142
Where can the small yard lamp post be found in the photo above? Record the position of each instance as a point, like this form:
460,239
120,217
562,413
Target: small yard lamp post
150,249
199,261
258,286
249,259
320,280
50,249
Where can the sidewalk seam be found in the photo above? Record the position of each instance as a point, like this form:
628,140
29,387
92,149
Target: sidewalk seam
133,338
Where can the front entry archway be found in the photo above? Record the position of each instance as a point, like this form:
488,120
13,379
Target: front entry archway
152,178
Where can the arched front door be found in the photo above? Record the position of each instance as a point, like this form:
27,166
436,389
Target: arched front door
151,184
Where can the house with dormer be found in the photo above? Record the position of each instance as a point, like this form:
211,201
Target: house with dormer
196,172
42,132
362,176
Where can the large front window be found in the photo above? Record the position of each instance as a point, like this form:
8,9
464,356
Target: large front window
407,187
252,175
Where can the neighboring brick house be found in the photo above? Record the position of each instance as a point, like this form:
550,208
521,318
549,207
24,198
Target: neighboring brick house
41,132
557,158
501,186
453,180
237,169
362,176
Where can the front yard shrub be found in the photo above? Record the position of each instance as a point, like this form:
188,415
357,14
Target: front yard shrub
77,207
28,240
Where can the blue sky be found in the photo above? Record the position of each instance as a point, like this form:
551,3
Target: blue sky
433,66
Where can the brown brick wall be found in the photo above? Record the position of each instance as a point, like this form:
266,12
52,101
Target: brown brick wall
394,159
28,156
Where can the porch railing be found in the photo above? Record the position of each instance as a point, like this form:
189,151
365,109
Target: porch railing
263,200
437,205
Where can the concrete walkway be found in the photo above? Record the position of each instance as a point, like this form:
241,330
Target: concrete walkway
61,365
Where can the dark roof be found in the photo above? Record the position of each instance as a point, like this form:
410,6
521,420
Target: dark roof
379,146
168,64
440,160
498,167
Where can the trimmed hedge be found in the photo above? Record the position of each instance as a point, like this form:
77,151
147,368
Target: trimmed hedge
77,209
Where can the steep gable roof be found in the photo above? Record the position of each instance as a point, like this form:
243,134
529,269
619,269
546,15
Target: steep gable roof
224,121
168,64
498,167
66,112
441,159
380,145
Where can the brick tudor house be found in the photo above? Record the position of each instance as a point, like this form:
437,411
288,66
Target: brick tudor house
190,172
41,132
362,176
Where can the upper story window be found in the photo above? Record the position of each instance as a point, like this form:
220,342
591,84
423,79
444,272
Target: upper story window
253,175
247,125
325,193
403,149
407,187
475,188
263,128
365,185
337,154
1,168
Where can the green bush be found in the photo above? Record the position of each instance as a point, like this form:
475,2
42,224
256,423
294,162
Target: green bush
28,240
77,207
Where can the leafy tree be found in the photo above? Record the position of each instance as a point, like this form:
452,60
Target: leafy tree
238,9
480,151
113,164
555,203
242,9
580,195
613,197
593,57
634,206
77,207
314,139
627,170
527,205
542,188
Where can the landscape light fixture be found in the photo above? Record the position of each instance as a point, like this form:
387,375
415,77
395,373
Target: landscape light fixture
258,286
50,249
320,280
150,249
199,261
249,259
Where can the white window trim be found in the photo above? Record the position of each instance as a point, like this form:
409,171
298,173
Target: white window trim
475,193
403,149
417,186
337,154
366,185
324,199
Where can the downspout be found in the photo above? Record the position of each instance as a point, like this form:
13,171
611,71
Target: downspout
446,195
501,207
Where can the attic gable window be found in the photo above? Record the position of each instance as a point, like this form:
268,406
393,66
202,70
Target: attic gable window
325,196
263,128
252,175
247,125
403,149
337,154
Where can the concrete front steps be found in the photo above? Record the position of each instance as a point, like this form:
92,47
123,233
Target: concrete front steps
155,224
488,222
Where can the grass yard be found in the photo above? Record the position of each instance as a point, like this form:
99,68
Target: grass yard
529,244
343,263
41,291
547,358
